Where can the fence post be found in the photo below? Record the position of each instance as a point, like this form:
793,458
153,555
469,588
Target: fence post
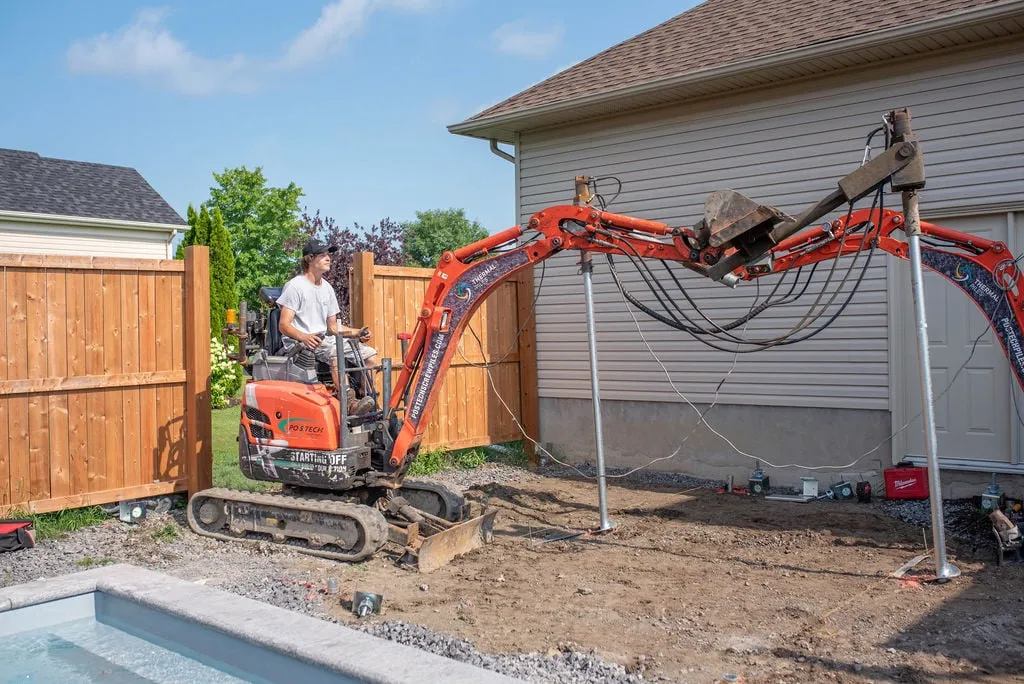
198,428
529,404
361,296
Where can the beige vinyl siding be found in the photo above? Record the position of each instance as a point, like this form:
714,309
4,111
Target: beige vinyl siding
37,238
787,148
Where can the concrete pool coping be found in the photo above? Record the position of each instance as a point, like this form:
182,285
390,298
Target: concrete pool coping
344,652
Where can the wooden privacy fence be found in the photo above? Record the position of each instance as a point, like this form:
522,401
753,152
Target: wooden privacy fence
468,411
104,379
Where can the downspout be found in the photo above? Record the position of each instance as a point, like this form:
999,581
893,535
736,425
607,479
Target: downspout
501,153
170,241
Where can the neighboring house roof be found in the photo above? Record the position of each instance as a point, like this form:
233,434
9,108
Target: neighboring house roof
720,37
43,185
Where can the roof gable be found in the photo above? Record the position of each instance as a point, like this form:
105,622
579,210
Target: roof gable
719,33
43,185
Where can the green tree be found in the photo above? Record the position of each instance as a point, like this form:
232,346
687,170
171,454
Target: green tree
263,225
222,298
222,272
207,229
195,235
436,231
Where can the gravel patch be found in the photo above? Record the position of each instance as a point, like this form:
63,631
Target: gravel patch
566,665
962,521
161,542
646,476
461,480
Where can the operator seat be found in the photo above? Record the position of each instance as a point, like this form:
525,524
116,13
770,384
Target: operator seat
272,342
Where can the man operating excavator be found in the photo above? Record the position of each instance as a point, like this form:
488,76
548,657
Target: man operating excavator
309,306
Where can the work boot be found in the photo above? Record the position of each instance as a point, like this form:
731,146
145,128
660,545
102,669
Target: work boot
361,406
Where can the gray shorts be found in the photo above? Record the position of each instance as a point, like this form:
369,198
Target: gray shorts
327,352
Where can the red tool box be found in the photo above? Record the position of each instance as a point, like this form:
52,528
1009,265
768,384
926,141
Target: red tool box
906,482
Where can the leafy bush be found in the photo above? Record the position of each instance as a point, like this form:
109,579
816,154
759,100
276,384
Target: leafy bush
225,375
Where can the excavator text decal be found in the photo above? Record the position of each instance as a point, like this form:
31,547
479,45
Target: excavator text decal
298,425
979,284
463,295
438,344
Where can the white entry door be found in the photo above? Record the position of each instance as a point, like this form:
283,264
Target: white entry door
973,418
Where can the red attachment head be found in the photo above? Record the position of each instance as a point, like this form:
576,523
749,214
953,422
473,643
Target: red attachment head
405,336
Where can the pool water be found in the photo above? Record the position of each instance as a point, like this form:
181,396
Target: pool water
87,651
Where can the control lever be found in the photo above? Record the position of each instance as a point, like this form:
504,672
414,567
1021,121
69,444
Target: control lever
298,346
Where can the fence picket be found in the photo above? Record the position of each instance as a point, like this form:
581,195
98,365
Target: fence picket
93,378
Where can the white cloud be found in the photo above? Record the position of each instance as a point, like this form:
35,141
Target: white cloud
338,22
146,49
516,38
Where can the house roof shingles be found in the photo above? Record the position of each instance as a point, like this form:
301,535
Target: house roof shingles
43,185
717,33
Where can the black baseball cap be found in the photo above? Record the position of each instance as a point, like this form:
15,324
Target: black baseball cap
314,246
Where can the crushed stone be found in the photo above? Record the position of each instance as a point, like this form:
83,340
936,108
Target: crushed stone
962,521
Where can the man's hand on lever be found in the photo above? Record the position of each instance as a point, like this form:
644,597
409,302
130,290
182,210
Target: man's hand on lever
310,340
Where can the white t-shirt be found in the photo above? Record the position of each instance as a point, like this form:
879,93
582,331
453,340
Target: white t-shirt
312,304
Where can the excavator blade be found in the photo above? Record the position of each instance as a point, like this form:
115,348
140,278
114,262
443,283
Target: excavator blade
438,549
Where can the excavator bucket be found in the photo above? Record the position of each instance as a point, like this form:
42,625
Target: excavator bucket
440,548
428,551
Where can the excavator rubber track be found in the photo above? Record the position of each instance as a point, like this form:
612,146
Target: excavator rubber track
453,506
354,530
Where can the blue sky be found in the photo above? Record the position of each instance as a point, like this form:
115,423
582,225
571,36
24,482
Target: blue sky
349,99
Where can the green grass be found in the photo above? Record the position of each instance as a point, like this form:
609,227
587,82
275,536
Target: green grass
89,561
225,453
57,524
166,534
441,459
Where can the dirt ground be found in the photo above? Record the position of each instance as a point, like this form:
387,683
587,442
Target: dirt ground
699,586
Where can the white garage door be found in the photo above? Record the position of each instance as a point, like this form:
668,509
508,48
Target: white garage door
975,418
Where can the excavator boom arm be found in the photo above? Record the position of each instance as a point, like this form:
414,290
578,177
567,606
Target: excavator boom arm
983,269
464,277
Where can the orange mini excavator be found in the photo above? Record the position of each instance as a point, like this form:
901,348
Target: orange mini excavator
345,491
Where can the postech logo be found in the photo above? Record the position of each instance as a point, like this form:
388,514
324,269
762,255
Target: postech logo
297,425
903,484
